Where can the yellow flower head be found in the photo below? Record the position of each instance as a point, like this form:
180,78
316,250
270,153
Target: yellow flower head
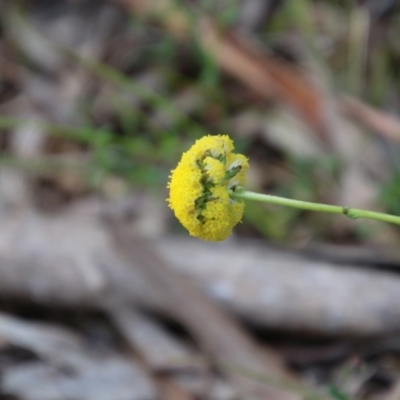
199,188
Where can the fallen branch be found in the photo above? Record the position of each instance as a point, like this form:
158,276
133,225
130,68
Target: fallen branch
217,334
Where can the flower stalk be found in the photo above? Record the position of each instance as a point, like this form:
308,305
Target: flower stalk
353,213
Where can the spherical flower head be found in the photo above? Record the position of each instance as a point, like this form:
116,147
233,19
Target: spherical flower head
199,188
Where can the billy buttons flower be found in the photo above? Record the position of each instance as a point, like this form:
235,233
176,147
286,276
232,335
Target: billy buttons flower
199,188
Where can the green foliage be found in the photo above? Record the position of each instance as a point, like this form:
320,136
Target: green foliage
336,393
390,194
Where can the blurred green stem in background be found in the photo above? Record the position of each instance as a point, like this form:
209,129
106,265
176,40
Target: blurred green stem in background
359,26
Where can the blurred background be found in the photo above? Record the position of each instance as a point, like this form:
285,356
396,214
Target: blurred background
102,291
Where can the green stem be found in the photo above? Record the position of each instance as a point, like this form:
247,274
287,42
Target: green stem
350,212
